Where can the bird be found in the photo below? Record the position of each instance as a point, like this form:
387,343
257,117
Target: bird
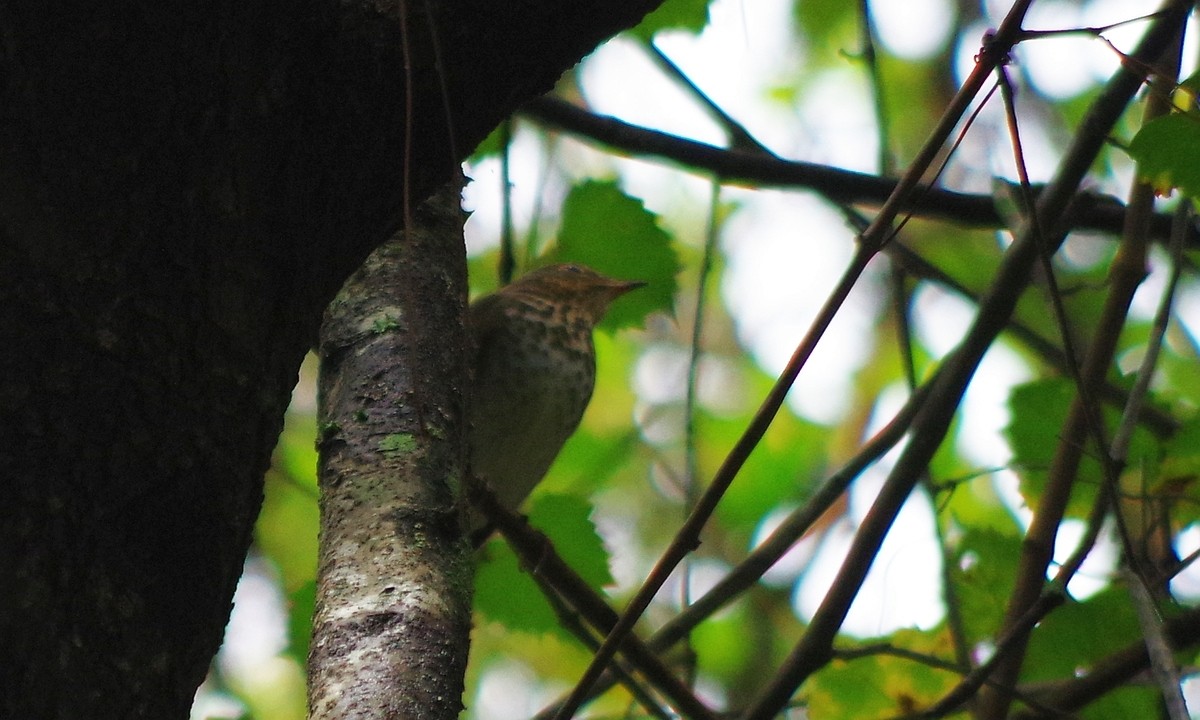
534,370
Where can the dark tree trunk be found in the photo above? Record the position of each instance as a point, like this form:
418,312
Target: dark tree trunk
183,186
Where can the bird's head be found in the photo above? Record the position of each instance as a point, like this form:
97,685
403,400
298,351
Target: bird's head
574,286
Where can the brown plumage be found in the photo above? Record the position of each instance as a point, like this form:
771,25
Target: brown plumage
534,370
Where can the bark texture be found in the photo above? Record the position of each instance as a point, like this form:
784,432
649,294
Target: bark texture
393,615
183,187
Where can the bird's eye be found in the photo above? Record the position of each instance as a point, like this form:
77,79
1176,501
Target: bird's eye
573,268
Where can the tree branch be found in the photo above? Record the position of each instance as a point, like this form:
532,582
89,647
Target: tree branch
1090,211
393,618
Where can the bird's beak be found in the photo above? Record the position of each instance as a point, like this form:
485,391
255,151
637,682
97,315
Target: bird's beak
620,287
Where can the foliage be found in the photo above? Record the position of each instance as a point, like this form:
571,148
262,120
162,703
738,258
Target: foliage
650,442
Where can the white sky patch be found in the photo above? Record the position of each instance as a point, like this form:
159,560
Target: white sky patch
902,588
653,101
703,575
1060,66
747,48
660,378
1187,307
837,117
789,567
483,196
985,407
255,637
509,691
1096,572
256,632
1186,585
941,320
913,30
785,254
1098,13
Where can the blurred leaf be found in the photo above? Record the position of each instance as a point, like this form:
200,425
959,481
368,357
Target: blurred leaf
615,234
296,452
1080,633
1039,411
970,258
506,594
881,685
690,15
1181,382
301,604
1167,150
974,503
1179,473
1191,84
787,465
720,643
1181,454
566,520
985,565
849,690
286,531
1126,701
830,25
491,145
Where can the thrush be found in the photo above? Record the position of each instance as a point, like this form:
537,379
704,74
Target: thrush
534,372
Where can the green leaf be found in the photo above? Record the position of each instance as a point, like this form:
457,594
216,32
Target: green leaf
881,685
506,594
1191,84
1039,411
1078,634
1167,150
1181,454
720,643
1181,382
973,503
690,15
1179,472
615,234
491,145
301,603
829,25
985,565
565,519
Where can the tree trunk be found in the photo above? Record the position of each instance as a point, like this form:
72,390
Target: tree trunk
183,187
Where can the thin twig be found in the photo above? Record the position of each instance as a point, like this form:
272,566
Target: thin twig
1162,318
1162,660
507,255
739,137
691,472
